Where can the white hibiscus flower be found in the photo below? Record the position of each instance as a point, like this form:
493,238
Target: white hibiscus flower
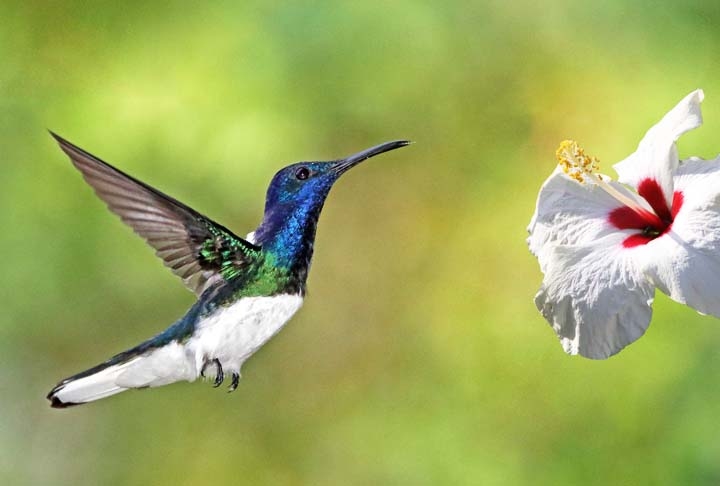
605,246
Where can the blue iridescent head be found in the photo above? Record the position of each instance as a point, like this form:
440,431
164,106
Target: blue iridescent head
295,198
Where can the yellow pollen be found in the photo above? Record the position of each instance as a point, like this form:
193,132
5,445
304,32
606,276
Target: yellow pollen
574,162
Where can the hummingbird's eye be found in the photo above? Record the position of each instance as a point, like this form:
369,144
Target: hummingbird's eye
302,173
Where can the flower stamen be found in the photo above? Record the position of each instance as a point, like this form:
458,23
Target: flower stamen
574,162
579,166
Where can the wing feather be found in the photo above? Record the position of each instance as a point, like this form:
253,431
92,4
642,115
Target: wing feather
195,248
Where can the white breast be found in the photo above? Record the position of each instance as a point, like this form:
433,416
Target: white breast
233,333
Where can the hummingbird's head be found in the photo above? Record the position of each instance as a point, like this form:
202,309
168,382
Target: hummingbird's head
307,184
296,196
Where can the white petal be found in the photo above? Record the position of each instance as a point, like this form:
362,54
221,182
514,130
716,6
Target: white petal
568,213
593,294
656,156
595,298
685,262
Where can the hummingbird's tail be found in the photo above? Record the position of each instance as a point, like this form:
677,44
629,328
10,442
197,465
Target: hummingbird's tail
141,367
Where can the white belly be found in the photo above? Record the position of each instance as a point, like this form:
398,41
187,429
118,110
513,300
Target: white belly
232,334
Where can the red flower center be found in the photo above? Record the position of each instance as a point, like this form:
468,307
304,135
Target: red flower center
649,225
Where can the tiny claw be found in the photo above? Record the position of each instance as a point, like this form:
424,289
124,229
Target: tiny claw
235,380
220,376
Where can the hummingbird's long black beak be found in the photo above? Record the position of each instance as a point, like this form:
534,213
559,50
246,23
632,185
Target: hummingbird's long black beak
349,162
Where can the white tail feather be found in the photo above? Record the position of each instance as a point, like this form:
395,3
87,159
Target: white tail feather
89,388
160,367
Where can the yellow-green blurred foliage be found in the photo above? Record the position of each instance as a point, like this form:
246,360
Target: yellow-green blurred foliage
419,357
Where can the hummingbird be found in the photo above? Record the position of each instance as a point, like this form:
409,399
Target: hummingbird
247,288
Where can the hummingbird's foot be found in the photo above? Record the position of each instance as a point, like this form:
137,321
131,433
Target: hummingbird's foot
235,380
220,376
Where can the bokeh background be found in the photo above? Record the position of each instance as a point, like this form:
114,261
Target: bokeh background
419,357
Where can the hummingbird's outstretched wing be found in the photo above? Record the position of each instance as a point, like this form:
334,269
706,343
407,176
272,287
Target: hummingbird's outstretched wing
195,248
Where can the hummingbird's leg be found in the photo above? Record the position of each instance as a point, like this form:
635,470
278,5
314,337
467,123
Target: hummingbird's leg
220,376
235,381
206,362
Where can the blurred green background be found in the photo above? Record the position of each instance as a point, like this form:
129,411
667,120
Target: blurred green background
419,357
